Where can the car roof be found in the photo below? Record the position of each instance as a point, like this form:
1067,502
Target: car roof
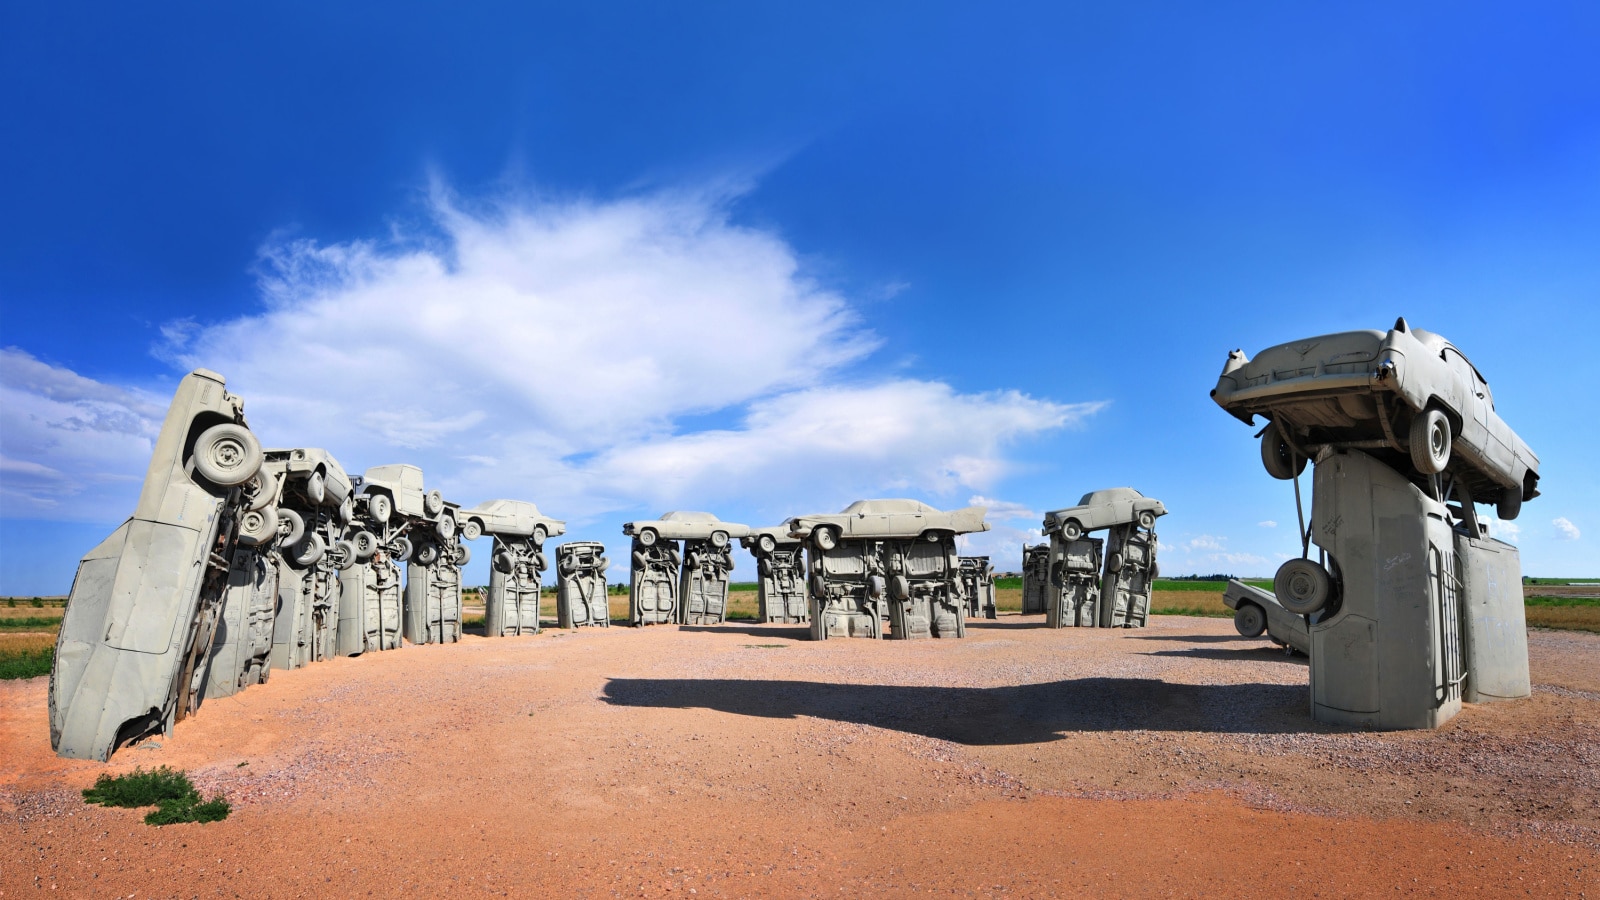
1109,494
879,507
512,507
688,516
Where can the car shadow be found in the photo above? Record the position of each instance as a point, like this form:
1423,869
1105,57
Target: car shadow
1013,714
998,625
1190,638
1263,653
775,630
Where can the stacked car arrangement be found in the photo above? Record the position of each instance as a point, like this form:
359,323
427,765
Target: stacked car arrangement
239,560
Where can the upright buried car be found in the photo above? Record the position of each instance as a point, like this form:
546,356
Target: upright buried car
144,605
1408,397
1104,509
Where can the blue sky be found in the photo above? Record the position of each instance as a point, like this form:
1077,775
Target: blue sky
766,259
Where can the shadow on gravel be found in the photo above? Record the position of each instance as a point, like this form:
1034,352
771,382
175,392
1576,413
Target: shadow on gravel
1267,653
791,632
1021,714
1188,638
994,625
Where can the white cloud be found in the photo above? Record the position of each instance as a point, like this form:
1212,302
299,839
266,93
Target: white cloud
1204,542
70,447
573,353
1268,524
1568,530
1002,510
1507,531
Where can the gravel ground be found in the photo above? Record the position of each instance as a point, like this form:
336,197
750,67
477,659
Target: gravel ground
743,760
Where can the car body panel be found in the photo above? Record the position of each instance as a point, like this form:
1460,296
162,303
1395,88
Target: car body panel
686,526
1105,508
147,596
977,584
512,518
1283,627
581,597
1072,595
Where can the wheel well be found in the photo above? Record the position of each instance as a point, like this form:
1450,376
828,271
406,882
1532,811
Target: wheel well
197,427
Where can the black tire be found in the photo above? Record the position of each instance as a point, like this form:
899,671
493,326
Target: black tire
648,537
1303,587
380,507
1430,441
1510,504
1280,459
227,454
296,525
258,526
1250,620
317,488
1071,529
471,530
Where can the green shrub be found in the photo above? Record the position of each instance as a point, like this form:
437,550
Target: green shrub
37,603
168,790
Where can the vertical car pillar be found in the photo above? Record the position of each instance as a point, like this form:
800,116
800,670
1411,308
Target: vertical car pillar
369,606
977,585
1074,583
240,651
849,594
581,597
1130,573
516,571
1035,579
924,581
433,593
1386,648
780,576
653,583
703,586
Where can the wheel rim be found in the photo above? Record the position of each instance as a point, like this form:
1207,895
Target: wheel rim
1438,440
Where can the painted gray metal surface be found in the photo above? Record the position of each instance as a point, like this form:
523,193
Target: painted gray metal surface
685,526
977,584
509,518
1258,612
703,583
653,582
879,519
1072,594
516,573
1129,577
142,613
1366,390
433,586
243,642
781,575
371,594
1387,653
923,578
314,499
1036,579
848,594
1107,508
1495,639
581,597
291,624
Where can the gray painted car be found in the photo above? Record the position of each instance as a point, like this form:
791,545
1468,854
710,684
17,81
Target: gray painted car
1257,612
781,574
144,605
1104,509
977,584
872,519
685,526
1406,396
509,518
581,585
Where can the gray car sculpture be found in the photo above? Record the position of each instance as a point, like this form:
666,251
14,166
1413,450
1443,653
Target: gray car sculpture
781,575
581,598
1130,574
1406,396
653,582
1072,596
433,584
1104,509
977,582
1036,579
897,556
314,496
685,526
1257,612
516,570
703,587
141,615
510,519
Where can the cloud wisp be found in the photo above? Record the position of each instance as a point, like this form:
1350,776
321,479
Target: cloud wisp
1565,528
574,352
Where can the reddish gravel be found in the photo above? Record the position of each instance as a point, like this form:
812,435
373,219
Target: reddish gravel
741,761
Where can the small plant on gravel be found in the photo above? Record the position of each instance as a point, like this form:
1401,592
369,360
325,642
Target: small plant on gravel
168,790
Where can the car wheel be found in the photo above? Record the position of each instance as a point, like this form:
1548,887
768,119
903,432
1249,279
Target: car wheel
826,536
380,507
764,567
647,537
266,489
1071,530
1510,504
1250,620
504,562
291,527
366,544
471,530
899,587
446,527
402,550
540,533
347,510
1114,563
1430,442
433,503
1302,586
767,543
719,539
1278,457
345,554
427,555
317,488
463,555
258,526
540,562
310,549
227,454
1147,520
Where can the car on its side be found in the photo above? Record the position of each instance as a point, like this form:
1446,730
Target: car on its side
1406,396
1104,509
685,526
887,519
145,603
511,518
1256,611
